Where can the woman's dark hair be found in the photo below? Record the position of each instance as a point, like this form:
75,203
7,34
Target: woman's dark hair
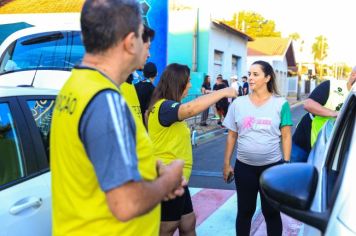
171,85
206,80
268,71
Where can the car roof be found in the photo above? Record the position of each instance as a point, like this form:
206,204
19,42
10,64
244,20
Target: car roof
25,91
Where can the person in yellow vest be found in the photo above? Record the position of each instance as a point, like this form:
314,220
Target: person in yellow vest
171,138
100,185
144,146
324,103
128,89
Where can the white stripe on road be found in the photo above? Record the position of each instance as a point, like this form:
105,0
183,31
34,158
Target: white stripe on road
194,191
222,221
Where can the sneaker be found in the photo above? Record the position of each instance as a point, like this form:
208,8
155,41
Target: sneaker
219,122
203,124
215,118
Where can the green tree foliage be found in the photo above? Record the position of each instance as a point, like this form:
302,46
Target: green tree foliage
347,70
253,24
320,48
343,71
298,42
320,51
294,36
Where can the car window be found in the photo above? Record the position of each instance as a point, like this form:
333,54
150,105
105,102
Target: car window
11,163
339,153
59,50
42,114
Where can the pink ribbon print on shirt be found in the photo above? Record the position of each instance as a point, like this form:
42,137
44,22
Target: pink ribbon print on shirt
251,122
248,123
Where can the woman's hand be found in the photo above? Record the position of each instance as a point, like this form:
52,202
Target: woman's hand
227,170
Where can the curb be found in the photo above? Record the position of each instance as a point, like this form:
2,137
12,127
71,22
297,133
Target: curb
207,136
296,104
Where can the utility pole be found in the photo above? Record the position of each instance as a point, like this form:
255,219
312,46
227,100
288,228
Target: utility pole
299,82
321,58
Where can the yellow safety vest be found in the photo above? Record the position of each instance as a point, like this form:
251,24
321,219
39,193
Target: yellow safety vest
144,146
337,95
171,143
79,204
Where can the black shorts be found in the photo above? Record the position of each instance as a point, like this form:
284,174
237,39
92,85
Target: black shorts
173,210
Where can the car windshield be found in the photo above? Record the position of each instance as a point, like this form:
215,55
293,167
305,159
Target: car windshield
59,50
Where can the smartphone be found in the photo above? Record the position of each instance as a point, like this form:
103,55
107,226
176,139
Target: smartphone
230,178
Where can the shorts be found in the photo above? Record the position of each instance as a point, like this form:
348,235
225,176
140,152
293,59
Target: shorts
174,209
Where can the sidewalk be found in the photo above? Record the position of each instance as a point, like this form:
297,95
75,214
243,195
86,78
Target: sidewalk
205,133
292,100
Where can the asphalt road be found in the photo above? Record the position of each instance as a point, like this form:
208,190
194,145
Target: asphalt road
209,159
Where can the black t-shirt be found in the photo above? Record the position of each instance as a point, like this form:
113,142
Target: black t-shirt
168,113
222,102
144,93
245,85
206,86
301,135
225,82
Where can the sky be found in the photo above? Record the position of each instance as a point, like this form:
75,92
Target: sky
335,19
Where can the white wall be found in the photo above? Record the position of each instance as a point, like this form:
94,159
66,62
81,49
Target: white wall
281,70
293,85
230,44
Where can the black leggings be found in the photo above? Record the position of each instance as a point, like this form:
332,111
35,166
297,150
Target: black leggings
247,186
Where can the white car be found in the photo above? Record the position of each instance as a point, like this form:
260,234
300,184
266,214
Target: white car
322,192
40,57
25,182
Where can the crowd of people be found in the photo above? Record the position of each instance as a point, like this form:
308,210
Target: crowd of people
121,157
221,107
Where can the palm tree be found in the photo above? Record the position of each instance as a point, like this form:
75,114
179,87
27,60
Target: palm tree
295,37
319,49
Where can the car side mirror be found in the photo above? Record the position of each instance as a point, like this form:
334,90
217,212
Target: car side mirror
291,188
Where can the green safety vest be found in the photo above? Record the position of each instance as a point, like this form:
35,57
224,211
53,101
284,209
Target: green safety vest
337,95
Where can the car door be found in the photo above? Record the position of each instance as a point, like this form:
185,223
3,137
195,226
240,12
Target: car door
25,194
340,173
332,162
38,112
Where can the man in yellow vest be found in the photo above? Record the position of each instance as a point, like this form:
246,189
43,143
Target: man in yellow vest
100,186
324,103
128,89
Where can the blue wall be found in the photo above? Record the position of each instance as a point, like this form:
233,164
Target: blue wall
157,18
180,44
